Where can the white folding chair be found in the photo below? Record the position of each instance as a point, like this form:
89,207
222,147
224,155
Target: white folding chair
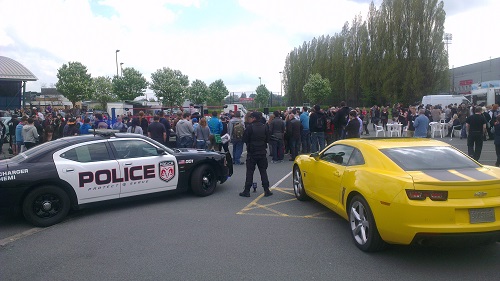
379,129
456,129
396,130
436,127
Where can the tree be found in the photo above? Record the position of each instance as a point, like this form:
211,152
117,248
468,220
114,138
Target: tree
102,91
169,86
129,86
396,55
217,92
198,92
262,96
317,89
74,82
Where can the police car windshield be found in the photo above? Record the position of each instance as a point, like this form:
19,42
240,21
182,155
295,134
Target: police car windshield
429,158
37,150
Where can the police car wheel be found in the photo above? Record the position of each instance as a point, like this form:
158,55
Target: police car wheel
46,206
203,180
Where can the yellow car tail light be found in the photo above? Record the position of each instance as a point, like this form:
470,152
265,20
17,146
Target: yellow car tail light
424,194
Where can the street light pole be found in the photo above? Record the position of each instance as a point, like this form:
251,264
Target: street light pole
121,69
281,87
260,81
116,56
448,37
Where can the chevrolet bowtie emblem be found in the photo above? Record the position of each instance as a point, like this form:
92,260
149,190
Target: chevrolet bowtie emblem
480,194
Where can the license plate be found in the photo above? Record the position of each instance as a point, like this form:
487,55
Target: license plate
482,215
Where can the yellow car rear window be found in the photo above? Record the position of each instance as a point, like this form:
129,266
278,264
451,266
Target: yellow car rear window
429,158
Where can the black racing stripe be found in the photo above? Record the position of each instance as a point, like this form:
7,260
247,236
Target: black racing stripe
476,174
444,175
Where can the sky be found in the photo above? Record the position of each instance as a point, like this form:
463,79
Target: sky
242,42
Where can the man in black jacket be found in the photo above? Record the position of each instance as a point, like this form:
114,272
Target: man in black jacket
352,127
476,128
340,121
256,137
317,126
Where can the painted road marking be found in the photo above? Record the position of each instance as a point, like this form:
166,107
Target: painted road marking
258,208
18,236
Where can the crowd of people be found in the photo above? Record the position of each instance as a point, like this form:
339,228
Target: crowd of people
294,131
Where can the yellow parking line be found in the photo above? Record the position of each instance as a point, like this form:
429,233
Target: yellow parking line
289,216
272,210
285,190
317,214
255,205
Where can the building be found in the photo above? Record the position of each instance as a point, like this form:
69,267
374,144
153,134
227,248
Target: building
462,78
13,78
50,96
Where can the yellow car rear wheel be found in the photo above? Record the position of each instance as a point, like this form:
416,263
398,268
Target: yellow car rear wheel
363,228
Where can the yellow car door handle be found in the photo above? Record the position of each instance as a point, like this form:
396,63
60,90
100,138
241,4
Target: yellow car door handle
337,174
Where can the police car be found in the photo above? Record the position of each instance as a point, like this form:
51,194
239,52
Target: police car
48,180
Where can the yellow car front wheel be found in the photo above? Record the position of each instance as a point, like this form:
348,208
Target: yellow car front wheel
298,185
363,228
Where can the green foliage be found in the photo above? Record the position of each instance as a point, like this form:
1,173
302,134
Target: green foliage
129,86
74,82
217,92
170,86
102,91
317,88
396,55
198,93
262,95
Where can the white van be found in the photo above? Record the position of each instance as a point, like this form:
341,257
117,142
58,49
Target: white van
235,107
444,100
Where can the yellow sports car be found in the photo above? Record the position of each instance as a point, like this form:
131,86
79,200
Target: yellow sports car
403,191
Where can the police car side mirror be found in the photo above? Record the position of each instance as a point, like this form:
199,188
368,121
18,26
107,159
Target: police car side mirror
160,151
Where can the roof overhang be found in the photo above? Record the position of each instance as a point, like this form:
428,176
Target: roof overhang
11,70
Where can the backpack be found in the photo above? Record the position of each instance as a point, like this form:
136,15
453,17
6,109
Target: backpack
238,130
320,122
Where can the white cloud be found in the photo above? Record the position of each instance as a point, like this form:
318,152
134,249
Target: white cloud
475,34
52,32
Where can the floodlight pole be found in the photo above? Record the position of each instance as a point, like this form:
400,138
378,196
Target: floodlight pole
116,56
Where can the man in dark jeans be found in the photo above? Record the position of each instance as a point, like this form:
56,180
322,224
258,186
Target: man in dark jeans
317,126
277,131
476,128
256,137
294,129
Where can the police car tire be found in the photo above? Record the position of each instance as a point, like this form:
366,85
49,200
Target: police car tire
53,198
203,180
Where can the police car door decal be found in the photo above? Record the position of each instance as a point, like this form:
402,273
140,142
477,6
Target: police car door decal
90,170
167,170
144,170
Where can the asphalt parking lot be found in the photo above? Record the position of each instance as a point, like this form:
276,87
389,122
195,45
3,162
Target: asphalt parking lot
224,237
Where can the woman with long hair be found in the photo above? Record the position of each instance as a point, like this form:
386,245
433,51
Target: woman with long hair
135,128
202,132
